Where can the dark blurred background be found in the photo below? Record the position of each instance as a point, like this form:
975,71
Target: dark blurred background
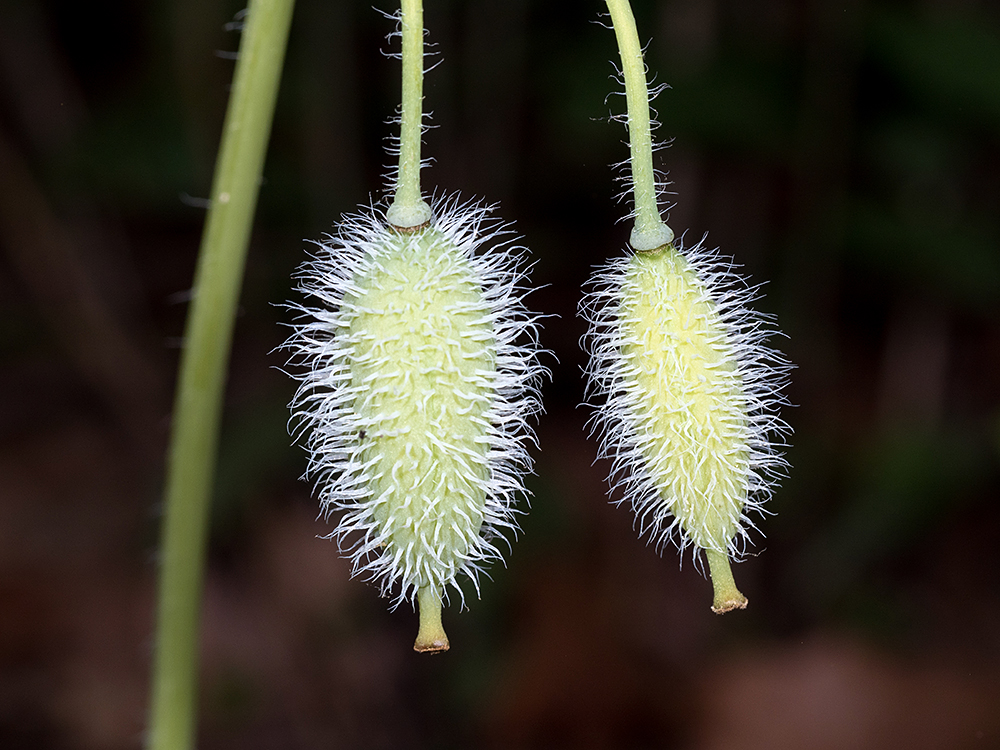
847,153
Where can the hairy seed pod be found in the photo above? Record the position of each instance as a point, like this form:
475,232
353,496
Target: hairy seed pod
421,375
687,393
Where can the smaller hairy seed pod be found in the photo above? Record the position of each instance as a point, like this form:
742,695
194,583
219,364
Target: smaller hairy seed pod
421,375
687,393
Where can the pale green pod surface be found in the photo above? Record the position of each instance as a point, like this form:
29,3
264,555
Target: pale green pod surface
421,375
423,363
688,394
680,367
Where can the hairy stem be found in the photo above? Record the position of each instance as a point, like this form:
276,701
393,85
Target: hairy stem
649,232
198,403
408,209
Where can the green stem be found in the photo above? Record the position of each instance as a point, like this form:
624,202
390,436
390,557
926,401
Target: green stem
431,637
727,596
198,404
649,232
408,209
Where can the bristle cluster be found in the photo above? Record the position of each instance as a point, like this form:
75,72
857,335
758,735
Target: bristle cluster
685,392
421,373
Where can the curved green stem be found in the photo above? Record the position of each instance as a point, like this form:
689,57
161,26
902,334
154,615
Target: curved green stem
431,637
727,596
408,209
649,232
198,404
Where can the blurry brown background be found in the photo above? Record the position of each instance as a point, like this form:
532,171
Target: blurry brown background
848,153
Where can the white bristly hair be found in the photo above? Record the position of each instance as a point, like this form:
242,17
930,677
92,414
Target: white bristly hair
421,374
689,478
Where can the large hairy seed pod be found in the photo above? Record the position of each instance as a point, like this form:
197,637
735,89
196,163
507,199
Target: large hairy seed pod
422,365
422,373
692,417
690,392
686,388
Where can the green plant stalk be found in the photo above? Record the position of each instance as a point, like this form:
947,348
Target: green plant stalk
408,209
204,359
649,232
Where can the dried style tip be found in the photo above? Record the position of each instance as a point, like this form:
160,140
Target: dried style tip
431,638
687,393
421,376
